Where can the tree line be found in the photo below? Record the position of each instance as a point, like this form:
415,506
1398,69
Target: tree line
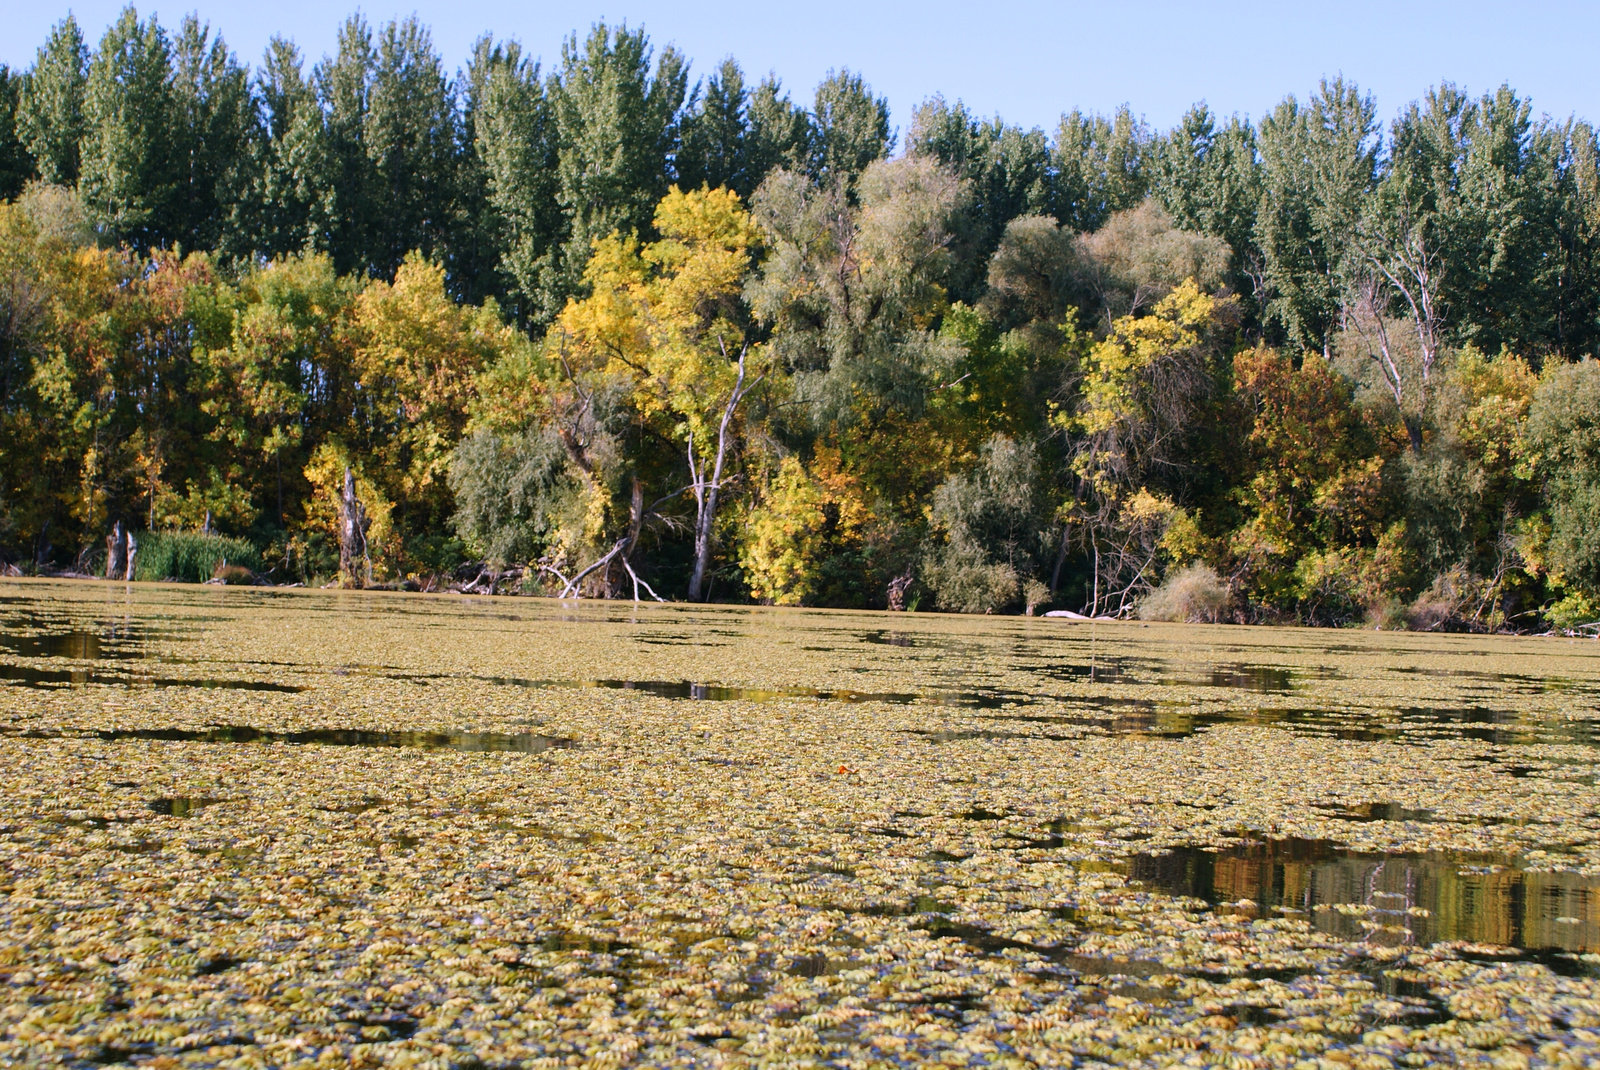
613,329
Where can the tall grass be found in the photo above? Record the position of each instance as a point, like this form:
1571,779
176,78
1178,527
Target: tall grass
189,556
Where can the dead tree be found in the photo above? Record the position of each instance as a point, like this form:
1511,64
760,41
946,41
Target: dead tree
117,552
705,490
121,550
1404,267
353,525
897,591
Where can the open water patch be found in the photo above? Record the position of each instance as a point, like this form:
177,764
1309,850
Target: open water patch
30,676
466,742
1388,900
703,692
72,645
182,805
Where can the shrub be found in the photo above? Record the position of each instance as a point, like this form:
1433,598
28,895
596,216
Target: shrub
513,496
1192,595
189,556
1389,615
992,523
234,575
966,581
1572,612
1034,595
1456,601
1563,443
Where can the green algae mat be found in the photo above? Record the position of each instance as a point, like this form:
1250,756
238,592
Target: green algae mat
290,828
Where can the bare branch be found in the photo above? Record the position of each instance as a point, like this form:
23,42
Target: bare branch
572,584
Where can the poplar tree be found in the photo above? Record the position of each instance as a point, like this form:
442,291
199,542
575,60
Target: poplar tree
331,163
215,131
617,127
781,133
286,205
717,142
16,165
514,143
1208,180
1099,166
1007,171
1318,164
851,129
50,105
132,166
409,135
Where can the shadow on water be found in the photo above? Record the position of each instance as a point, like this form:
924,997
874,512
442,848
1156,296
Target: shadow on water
51,637
1260,679
1389,899
1256,678
28,676
1127,716
466,742
687,690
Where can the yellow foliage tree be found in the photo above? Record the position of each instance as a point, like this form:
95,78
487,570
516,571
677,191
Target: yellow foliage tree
1143,387
418,360
662,324
805,517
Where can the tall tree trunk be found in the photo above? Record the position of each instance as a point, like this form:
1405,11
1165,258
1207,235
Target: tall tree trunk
117,551
705,493
353,524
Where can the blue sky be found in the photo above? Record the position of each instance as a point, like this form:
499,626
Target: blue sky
1026,61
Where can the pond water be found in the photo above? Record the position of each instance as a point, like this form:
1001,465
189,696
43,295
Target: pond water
1390,899
724,834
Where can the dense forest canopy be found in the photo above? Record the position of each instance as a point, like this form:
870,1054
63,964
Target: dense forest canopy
617,328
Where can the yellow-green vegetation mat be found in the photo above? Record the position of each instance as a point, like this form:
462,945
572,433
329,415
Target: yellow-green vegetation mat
248,828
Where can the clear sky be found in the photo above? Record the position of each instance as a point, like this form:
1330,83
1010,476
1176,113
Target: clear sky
1028,62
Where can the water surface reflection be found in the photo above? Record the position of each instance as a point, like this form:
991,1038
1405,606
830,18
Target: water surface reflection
1388,899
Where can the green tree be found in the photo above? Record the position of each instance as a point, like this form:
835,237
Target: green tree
16,165
716,136
781,133
514,495
1318,166
50,116
132,162
331,168
1209,181
1563,450
991,528
617,126
1099,167
1007,170
1467,492
514,140
409,135
289,204
217,129
851,129
851,291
